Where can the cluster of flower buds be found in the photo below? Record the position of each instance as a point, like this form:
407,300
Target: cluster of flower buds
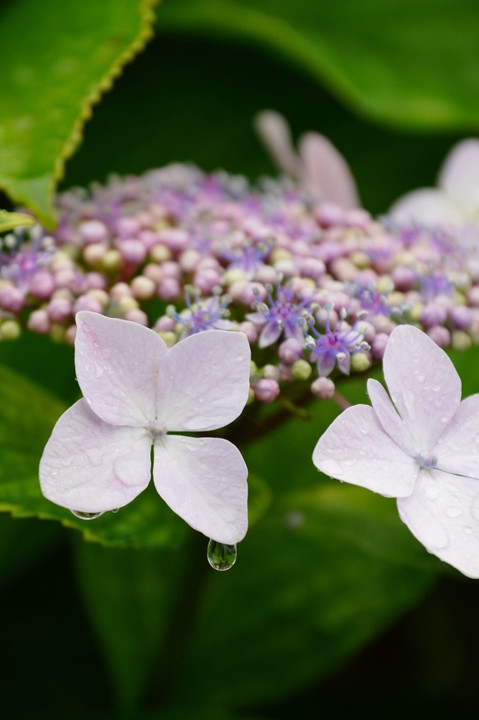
316,288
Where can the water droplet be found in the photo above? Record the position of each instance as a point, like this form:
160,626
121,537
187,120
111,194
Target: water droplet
116,510
85,515
432,492
453,512
220,556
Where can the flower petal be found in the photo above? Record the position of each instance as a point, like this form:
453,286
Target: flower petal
203,480
389,417
355,449
426,206
459,176
203,382
327,172
457,450
90,466
423,384
117,364
443,514
275,134
269,334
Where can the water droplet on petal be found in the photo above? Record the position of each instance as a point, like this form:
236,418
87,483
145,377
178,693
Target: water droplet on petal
85,515
220,556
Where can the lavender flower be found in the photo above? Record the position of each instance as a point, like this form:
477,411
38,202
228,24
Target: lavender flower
335,346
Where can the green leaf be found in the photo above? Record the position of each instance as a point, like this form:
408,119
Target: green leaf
11,220
402,62
28,415
57,60
327,570
129,596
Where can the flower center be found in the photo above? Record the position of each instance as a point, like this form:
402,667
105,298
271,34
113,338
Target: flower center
426,460
156,429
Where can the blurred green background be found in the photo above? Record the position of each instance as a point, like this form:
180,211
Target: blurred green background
332,608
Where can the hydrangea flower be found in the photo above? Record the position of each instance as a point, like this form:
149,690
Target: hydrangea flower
137,395
317,165
422,448
455,201
285,314
335,346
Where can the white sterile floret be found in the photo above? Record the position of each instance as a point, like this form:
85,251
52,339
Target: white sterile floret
137,391
422,448
455,200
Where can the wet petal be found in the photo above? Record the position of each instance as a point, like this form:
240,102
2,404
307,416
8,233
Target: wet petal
457,450
327,172
423,384
117,364
90,466
443,514
203,480
203,382
459,176
356,449
389,417
426,206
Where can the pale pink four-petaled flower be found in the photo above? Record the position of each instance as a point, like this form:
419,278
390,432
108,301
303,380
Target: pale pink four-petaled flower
456,199
422,450
136,393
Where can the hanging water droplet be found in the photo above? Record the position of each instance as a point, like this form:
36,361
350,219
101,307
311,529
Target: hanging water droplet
85,515
220,556
116,510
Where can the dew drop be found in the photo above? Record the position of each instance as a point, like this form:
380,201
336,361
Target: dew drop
453,512
85,515
220,556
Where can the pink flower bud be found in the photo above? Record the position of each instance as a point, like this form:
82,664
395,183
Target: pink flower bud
59,310
266,390
127,227
169,289
378,345
39,322
11,298
93,231
327,214
290,350
250,330
87,302
165,324
323,388
41,285
132,252
137,316
440,335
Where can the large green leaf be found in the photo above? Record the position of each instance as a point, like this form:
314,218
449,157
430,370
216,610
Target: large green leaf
57,60
327,570
129,595
27,418
404,62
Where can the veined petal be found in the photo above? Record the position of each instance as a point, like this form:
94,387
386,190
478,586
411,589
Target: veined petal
426,206
327,172
457,450
269,334
389,417
443,514
423,384
90,466
356,449
459,176
203,382
117,364
203,480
